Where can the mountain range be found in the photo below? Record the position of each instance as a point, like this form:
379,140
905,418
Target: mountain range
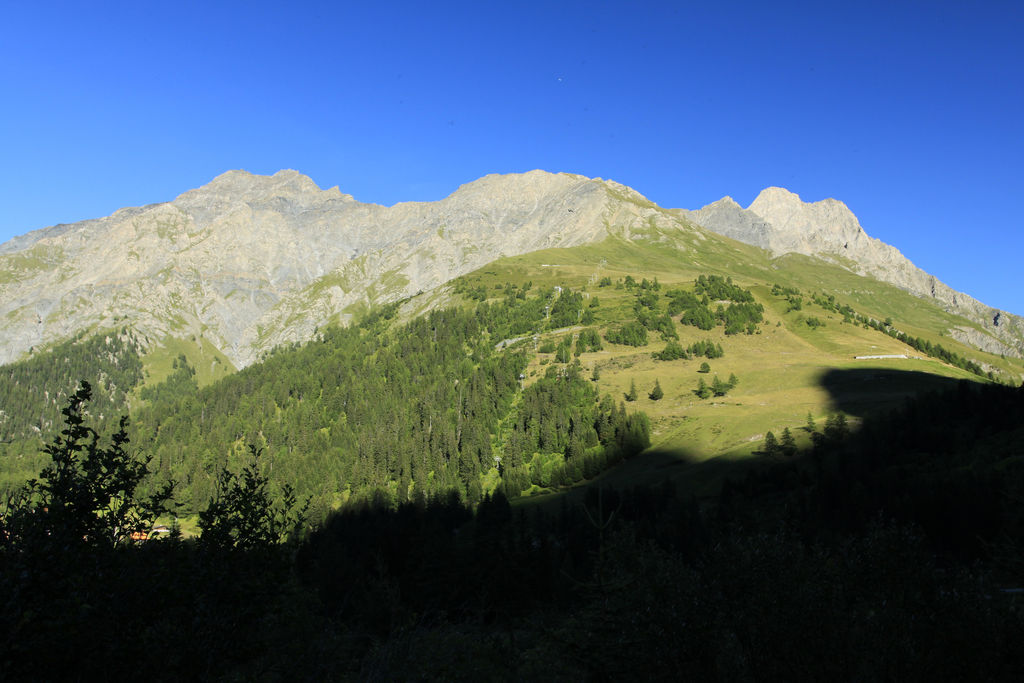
251,262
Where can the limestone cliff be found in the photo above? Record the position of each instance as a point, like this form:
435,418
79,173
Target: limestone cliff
779,221
251,261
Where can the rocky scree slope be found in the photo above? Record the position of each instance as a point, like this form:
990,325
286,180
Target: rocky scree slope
251,262
779,221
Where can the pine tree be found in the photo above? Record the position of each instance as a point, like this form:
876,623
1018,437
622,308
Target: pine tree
702,389
771,444
631,396
656,392
719,387
788,443
596,374
811,427
733,380
836,428
704,367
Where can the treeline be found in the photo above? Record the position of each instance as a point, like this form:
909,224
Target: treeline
515,313
933,350
741,315
706,348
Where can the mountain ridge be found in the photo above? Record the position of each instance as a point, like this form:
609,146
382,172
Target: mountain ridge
230,260
780,222
251,262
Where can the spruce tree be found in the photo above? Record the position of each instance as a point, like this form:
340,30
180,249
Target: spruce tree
656,392
704,367
631,396
771,444
836,428
811,427
788,443
702,389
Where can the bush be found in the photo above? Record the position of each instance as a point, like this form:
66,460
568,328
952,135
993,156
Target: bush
88,494
242,514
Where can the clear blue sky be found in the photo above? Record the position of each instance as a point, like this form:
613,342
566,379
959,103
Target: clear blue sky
910,112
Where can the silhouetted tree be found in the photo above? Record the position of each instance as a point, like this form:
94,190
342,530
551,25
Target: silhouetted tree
788,443
87,493
836,427
243,514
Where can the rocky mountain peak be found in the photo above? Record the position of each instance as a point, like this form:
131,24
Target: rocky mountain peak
239,186
795,219
726,201
530,185
775,196
780,221
251,261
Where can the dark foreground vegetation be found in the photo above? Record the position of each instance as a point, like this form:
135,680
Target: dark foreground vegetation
889,554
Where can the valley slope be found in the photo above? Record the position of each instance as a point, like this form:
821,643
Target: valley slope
158,306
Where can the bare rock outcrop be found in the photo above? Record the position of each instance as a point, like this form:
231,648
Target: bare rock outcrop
779,221
252,261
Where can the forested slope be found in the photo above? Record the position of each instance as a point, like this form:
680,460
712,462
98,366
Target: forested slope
412,409
33,392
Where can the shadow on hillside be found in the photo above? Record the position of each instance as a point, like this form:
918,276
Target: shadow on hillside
862,393
869,391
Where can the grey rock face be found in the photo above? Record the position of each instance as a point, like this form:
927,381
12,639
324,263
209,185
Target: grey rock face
251,262
779,221
728,218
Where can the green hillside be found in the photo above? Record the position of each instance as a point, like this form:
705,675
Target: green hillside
780,367
617,317
635,459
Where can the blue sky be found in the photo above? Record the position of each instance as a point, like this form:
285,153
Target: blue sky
910,112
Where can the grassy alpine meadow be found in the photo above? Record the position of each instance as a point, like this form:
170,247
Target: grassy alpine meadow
801,361
210,364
